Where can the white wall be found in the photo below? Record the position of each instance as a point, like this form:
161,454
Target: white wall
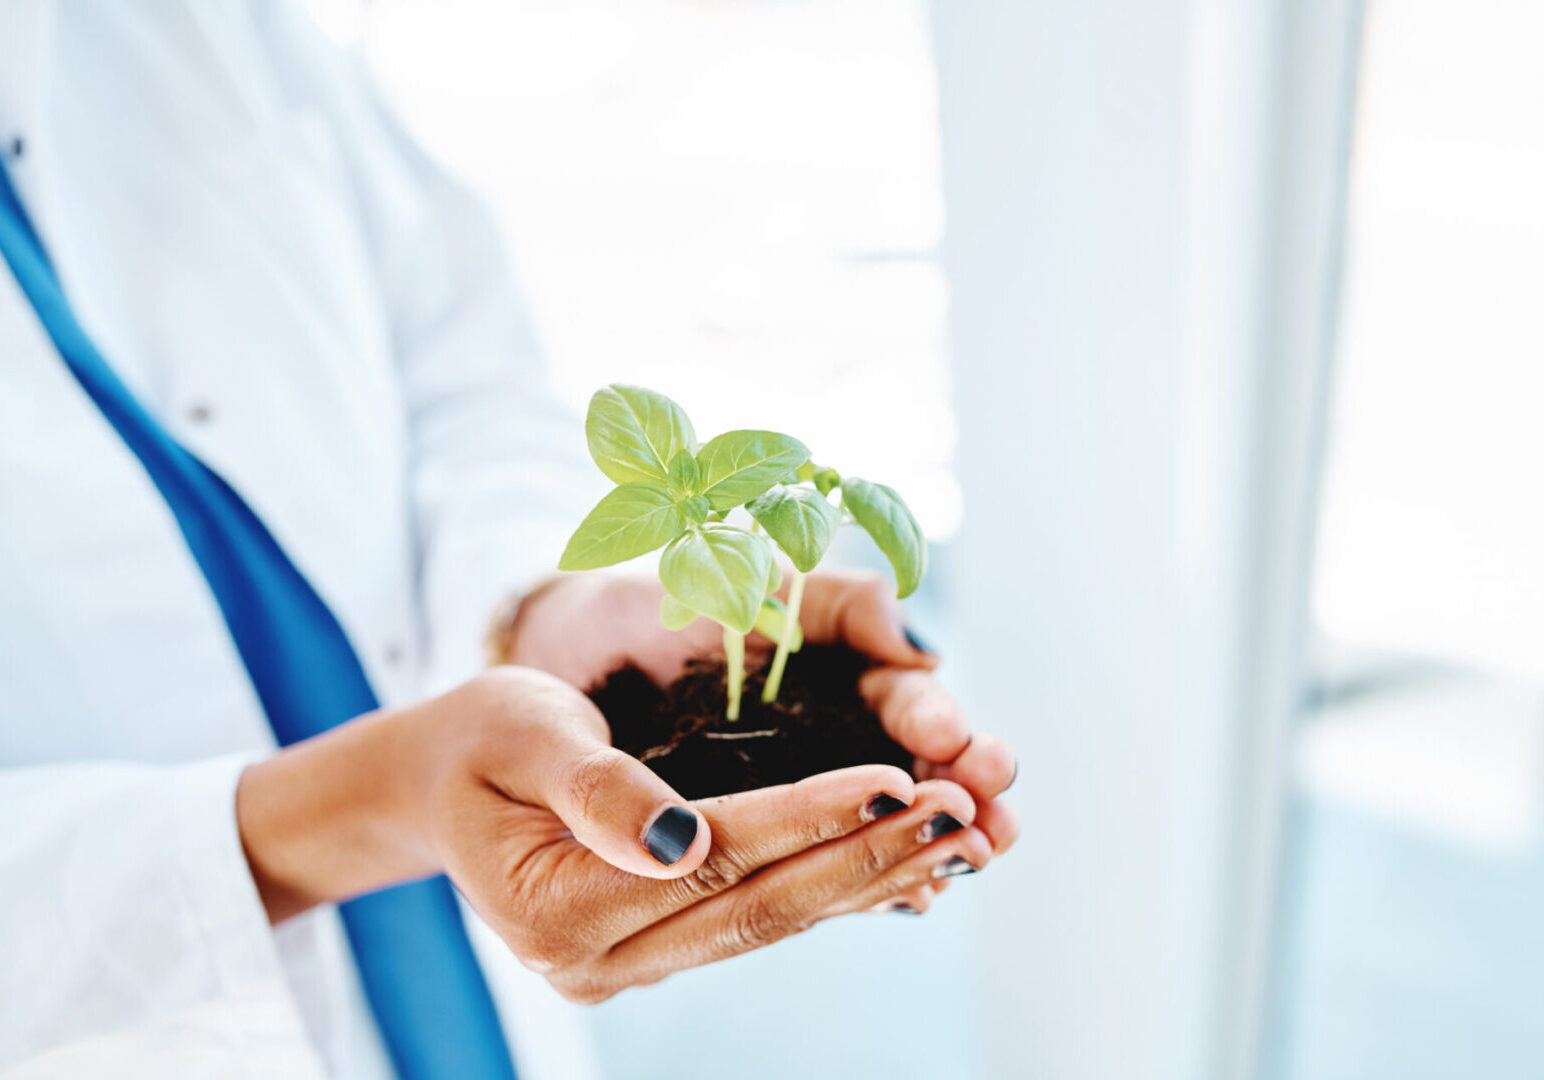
1142,203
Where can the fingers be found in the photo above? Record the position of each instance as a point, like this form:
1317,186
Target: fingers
785,898
964,852
756,828
901,891
861,611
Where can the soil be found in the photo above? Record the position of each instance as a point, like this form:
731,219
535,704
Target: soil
818,723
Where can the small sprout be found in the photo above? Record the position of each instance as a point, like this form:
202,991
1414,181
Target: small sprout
674,494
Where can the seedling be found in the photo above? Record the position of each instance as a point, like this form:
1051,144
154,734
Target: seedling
675,494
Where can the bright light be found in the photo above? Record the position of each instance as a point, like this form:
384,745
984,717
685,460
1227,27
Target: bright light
1433,525
737,203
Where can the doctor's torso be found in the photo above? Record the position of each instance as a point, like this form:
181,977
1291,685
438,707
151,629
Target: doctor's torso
203,213
201,228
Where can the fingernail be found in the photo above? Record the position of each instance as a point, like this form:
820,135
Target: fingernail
1015,778
882,805
671,834
940,824
904,908
917,643
954,867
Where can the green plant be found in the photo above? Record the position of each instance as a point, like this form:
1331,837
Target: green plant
676,494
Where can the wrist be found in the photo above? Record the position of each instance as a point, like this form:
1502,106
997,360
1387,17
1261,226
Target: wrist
340,814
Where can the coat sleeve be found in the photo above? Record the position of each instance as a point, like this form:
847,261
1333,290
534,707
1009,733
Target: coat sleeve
131,933
497,465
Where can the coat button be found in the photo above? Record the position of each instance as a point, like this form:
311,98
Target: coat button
200,412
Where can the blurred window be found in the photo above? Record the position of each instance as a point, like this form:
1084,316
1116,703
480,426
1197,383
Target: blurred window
1433,521
1430,563
1412,941
735,202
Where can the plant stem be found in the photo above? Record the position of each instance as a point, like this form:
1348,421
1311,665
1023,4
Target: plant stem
790,623
734,659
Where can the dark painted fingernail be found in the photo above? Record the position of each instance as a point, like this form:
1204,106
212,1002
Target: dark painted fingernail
940,824
671,834
882,805
917,643
954,867
904,908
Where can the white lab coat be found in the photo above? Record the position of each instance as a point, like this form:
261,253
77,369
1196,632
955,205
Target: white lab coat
315,310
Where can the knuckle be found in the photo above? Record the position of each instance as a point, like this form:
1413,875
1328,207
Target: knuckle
868,859
823,828
589,778
721,870
759,921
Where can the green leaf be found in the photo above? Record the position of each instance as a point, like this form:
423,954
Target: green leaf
696,508
631,520
685,476
800,520
806,472
720,571
739,465
772,620
774,578
674,615
885,517
826,480
634,434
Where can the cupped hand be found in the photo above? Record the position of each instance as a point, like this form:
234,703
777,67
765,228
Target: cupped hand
591,868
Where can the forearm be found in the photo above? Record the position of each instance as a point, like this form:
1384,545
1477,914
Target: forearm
338,815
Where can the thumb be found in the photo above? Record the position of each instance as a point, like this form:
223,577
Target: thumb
612,803
620,810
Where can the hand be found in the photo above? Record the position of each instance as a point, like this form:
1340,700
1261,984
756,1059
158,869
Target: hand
588,865
582,627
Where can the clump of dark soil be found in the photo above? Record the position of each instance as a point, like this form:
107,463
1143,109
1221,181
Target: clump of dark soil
818,723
